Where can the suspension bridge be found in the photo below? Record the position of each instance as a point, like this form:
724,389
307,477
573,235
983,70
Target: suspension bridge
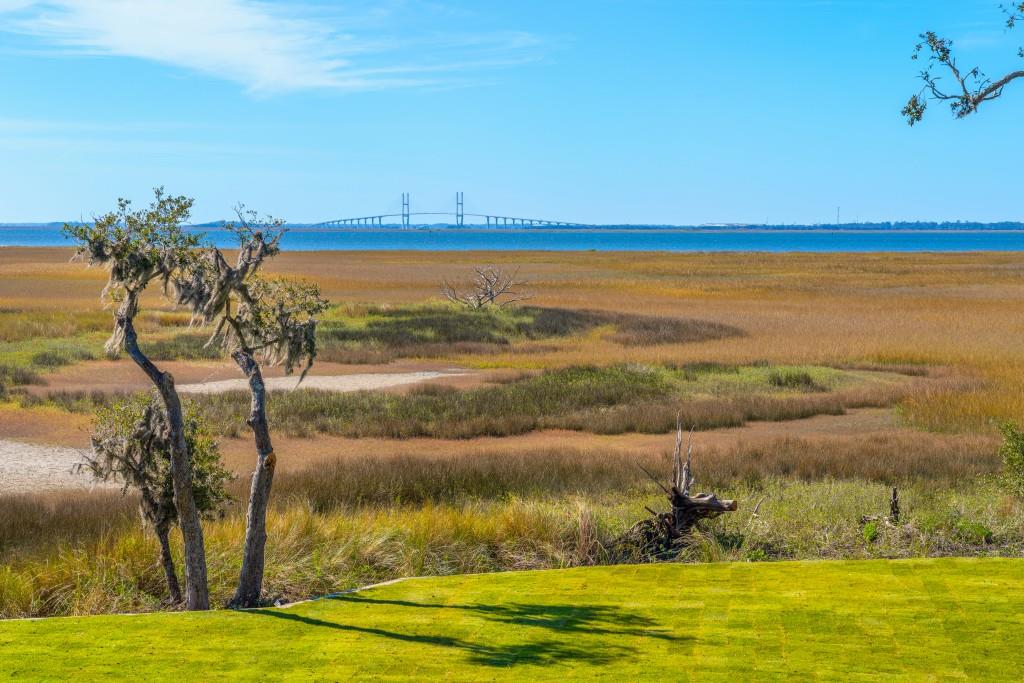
455,218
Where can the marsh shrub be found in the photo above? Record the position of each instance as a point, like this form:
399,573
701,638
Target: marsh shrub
60,355
973,532
788,378
373,334
83,402
1012,453
16,375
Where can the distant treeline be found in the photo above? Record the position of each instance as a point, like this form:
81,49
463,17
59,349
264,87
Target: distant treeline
888,225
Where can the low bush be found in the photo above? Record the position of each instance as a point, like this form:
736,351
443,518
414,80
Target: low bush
17,375
974,533
58,356
790,378
1012,453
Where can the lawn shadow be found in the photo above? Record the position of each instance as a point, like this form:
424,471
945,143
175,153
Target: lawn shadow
561,624
601,619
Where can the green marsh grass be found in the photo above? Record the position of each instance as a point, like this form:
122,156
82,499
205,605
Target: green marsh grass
377,334
604,400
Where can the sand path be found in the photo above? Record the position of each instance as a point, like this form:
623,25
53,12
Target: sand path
338,383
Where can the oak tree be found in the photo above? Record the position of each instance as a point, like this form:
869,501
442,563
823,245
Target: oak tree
258,321
969,88
138,248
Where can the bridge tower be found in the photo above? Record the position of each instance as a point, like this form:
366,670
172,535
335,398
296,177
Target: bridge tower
460,209
405,210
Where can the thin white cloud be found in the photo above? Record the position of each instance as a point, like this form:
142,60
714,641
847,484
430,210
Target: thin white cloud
266,47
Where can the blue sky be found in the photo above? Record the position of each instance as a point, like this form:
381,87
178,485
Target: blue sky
634,111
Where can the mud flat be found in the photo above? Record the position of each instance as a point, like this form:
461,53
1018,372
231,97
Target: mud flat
34,467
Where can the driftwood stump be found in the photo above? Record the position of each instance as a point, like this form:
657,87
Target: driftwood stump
665,533
894,511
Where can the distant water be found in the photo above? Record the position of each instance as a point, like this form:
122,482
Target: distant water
465,239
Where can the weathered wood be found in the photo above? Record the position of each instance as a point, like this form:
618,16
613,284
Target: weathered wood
167,562
665,533
196,590
250,580
893,518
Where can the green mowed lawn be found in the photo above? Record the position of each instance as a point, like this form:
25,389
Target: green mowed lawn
880,620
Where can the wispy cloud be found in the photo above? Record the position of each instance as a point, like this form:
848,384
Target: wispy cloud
266,47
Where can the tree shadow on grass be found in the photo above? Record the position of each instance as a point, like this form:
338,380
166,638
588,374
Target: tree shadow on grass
599,619
564,620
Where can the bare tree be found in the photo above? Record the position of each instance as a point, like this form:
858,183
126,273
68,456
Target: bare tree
138,248
970,88
258,320
488,286
131,444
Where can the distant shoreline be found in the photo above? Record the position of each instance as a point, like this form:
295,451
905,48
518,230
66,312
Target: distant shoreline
604,239
754,229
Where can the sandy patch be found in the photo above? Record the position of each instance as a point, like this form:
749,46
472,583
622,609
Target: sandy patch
32,467
122,375
338,383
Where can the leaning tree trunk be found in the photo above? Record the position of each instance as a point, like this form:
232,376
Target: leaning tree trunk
196,589
250,581
167,562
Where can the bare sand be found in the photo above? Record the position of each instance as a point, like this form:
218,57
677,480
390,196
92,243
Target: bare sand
34,467
122,375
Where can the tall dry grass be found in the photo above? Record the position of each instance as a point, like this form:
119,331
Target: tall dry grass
311,553
363,519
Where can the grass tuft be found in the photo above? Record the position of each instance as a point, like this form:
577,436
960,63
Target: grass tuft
793,378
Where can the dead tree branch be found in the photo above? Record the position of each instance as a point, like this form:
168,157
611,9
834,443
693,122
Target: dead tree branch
489,286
